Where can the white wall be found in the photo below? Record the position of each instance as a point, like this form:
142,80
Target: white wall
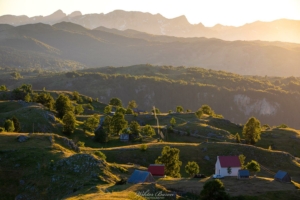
223,171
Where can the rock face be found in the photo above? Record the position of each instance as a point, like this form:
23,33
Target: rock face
22,138
258,106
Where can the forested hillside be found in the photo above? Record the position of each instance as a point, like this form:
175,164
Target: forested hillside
67,46
272,100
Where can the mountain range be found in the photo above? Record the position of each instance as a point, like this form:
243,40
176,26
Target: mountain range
284,30
67,46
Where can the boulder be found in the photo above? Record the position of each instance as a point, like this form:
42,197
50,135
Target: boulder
22,138
206,158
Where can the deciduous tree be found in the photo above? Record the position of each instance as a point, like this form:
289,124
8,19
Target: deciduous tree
252,131
192,168
253,166
9,125
214,190
115,102
69,121
148,130
63,105
91,123
170,158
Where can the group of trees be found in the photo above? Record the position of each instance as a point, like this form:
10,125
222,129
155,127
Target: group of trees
170,158
12,125
206,109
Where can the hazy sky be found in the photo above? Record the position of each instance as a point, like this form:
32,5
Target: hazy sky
208,12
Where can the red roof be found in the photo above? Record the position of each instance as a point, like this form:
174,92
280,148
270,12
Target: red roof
229,161
157,170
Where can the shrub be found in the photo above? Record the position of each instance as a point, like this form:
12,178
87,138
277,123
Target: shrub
80,144
100,155
282,126
2,129
143,147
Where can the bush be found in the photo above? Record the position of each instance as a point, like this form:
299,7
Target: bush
143,147
100,155
2,129
282,126
80,144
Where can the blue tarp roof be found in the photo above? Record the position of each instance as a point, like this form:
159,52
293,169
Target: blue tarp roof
280,174
244,172
140,176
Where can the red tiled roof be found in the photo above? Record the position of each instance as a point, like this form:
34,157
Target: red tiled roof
229,161
157,170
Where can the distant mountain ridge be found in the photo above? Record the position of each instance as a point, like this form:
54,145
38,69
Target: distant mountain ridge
66,46
279,30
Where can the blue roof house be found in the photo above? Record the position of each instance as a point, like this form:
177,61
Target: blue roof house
139,176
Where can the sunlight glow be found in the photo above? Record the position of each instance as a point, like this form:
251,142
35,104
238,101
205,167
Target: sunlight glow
209,13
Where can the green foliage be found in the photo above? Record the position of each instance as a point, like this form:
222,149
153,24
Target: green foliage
132,104
253,166
91,123
170,158
46,99
89,106
206,109
214,190
2,129
9,125
101,135
266,127
100,154
157,111
179,109
148,130
237,138
3,88
115,102
252,131
242,160
80,144
129,111
79,109
199,113
282,126
173,121
107,110
17,124
143,147
76,96
107,125
118,122
63,105
16,75
27,88
69,121
121,110
192,168
135,130
27,98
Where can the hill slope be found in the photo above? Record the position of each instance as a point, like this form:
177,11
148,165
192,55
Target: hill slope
68,46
